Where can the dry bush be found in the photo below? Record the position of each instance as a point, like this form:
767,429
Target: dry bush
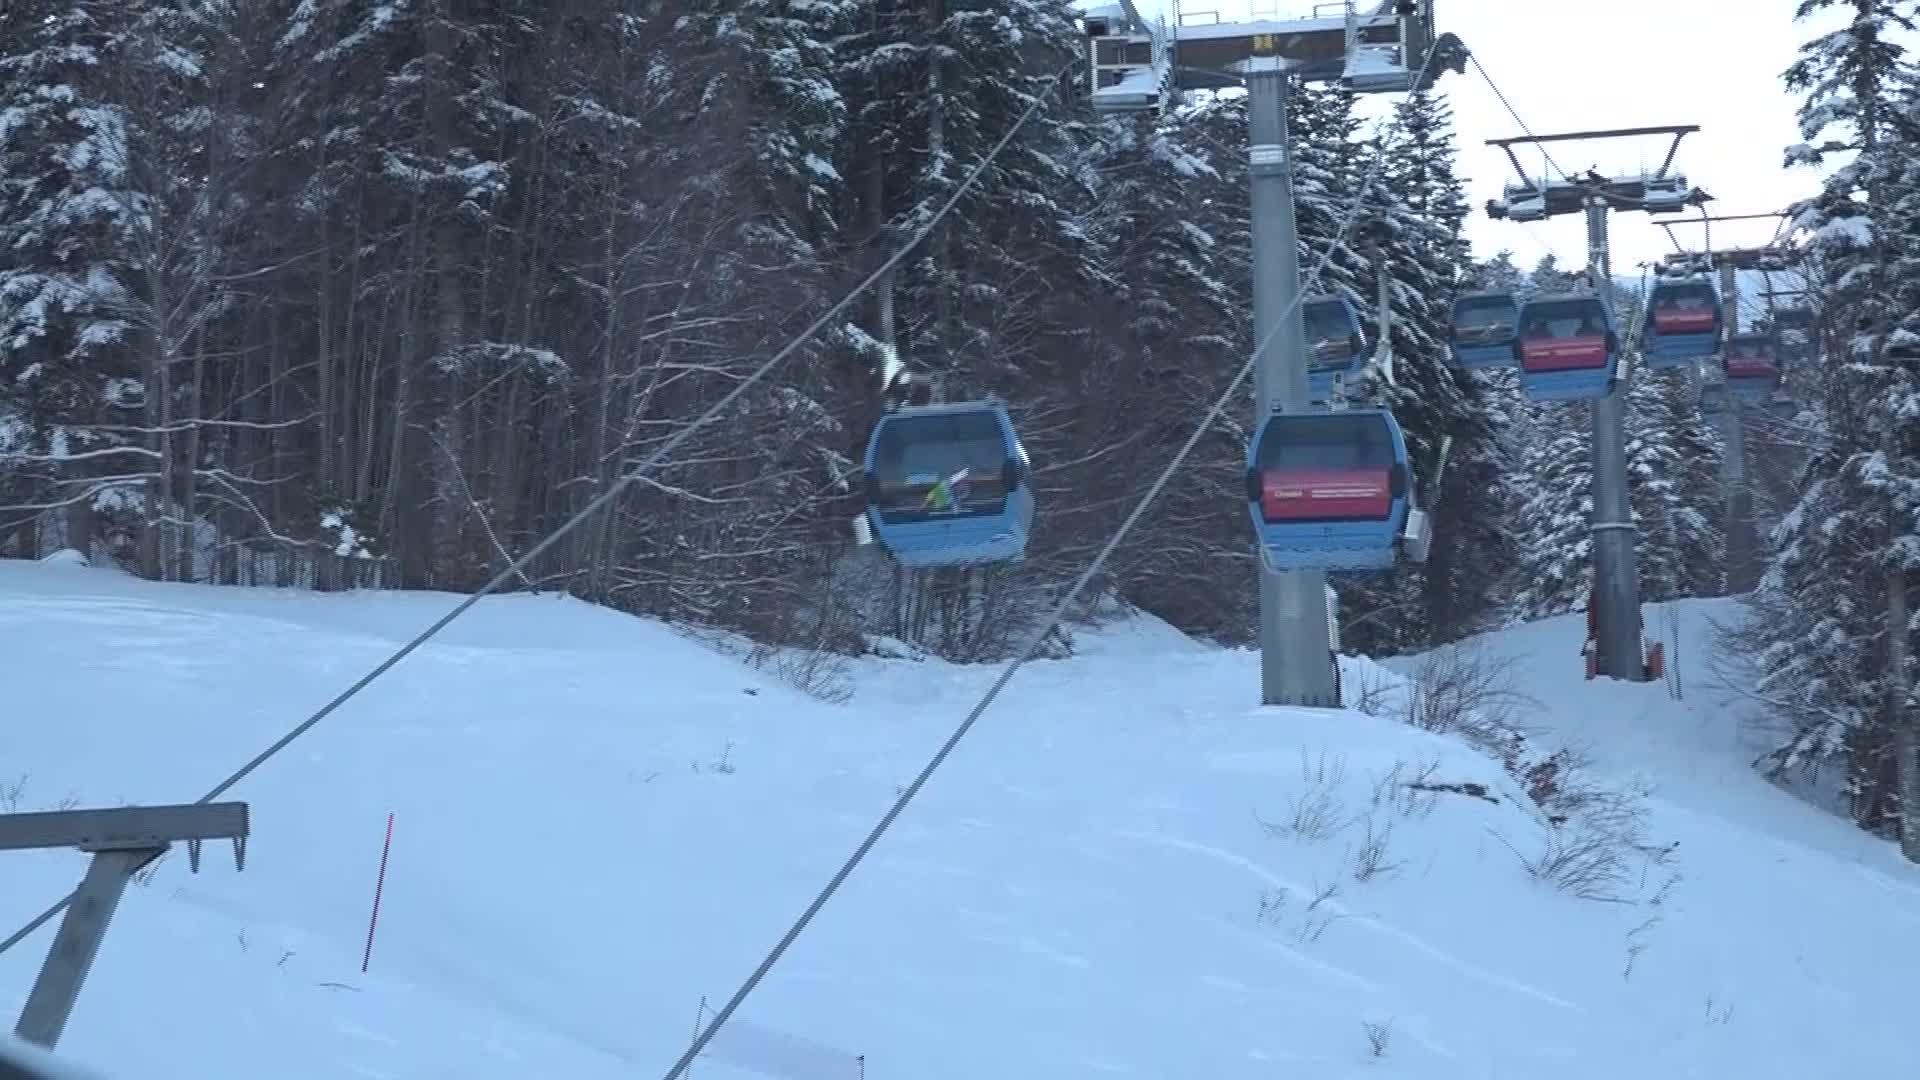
1409,789
1595,843
1317,920
145,875
1316,810
1369,860
818,673
1637,943
1464,690
1273,904
1379,1036
1371,694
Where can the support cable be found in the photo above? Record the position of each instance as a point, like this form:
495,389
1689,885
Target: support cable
1545,155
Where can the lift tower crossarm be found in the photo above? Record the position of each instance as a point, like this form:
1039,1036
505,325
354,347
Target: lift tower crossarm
1546,197
121,840
1678,131
1704,220
1760,258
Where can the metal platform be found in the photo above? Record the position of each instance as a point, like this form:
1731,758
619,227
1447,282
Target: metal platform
1370,47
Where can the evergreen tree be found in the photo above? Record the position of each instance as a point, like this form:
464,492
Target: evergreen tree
1833,624
119,190
1423,201
1550,489
1673,461
1330,168
1180,331
61,331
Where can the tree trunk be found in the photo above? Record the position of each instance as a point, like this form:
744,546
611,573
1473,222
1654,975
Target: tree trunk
1901,716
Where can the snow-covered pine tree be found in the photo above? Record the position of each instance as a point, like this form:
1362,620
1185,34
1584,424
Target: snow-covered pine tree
1895,425
1422,200
1330,167
1832,627
1673,462
758,75
117,182
941,81
993,300
1553,494
60,327
1550,490
419,188
1174,331
537,242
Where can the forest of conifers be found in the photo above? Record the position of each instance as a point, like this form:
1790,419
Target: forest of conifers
344,293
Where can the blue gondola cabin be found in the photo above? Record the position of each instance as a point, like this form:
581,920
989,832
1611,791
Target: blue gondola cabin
1752,367
1485,328
949,485
1335,344
1568,348
1682,324
1329,490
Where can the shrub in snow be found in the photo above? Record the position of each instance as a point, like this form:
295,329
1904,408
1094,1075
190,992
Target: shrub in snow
1594,840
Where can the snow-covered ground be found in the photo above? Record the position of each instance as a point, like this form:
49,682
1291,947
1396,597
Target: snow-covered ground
1124,871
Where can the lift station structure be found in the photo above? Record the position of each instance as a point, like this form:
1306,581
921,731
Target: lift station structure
1368,46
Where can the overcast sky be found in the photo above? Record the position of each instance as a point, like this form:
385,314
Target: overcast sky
1613,64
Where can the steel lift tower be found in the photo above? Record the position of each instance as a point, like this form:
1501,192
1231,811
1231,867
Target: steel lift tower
1616,571
1382,46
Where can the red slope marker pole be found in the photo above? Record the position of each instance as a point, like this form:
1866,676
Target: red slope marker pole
379,886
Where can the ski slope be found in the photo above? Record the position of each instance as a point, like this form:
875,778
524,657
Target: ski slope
1124,872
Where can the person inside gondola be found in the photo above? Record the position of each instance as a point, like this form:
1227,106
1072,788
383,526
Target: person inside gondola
940,466
950,493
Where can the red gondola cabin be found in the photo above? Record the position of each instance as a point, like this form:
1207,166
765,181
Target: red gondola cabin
1568,348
